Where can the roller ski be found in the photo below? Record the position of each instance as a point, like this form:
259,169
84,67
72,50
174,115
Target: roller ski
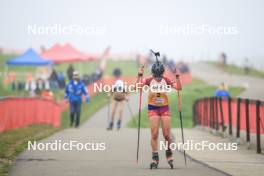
110,126
118,124
155,161
169,158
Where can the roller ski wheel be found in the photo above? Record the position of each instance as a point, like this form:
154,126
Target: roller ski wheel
169,158
154,165
155,161
118,124
170,162
110,127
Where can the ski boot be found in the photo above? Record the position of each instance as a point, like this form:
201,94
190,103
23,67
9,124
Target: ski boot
169,158
155,160
118,124
110,127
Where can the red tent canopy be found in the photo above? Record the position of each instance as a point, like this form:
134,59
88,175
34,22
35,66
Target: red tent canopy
65,53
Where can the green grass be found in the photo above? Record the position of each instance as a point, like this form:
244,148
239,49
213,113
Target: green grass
190,93
15,141
237,70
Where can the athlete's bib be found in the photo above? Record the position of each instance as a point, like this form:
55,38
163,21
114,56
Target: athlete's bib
158,95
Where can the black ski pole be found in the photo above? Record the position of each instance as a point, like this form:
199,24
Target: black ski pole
139,113
180,114
108,110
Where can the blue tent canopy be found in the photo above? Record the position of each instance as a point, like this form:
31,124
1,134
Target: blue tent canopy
30,58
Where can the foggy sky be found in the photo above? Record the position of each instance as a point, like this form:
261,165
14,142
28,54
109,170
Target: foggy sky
134,26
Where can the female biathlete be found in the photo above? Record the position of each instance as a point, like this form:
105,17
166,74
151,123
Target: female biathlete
118,97
158,108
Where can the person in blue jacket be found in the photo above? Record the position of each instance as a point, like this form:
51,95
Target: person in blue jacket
74,92
222,91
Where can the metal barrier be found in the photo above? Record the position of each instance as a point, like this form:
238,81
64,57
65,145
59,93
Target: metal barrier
233,113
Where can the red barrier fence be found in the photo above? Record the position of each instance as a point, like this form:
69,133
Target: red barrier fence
235,113
20,112
186,78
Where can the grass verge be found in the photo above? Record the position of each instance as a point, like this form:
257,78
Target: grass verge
237,70
189,94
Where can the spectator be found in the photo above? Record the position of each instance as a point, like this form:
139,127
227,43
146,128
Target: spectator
54,80
246,66
13,85
31,87
70,71
74,92
21,85
183,67
87,79
223,59
222,91
164,59
61,80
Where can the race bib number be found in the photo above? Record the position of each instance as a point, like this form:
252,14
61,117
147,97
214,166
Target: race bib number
159,100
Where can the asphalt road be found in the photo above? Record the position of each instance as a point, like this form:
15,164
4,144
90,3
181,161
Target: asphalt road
119,157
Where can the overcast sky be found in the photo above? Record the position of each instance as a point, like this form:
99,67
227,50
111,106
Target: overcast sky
130,25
